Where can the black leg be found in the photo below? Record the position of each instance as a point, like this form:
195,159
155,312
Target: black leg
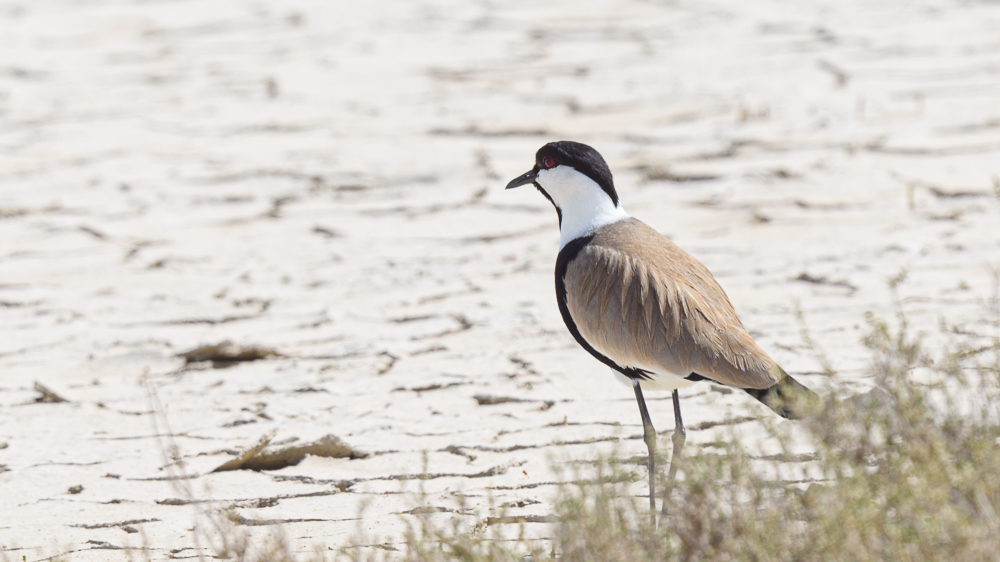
680,435
649,436
678,422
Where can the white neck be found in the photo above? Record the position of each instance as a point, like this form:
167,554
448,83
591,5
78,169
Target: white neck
584,205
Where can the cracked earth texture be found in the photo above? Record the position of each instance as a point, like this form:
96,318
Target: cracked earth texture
325,181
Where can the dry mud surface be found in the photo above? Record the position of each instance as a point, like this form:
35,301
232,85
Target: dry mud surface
325,180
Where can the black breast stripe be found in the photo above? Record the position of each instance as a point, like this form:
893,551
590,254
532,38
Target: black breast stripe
549,197
566,255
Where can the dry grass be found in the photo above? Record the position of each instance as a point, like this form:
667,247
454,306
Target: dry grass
907,472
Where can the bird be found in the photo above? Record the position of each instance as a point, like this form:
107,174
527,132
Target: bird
641,305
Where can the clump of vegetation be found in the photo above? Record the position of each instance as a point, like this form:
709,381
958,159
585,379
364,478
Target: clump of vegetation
905,474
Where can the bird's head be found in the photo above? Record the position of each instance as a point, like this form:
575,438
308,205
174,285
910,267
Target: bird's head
571,175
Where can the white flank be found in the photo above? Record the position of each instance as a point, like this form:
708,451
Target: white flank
584,205
657,381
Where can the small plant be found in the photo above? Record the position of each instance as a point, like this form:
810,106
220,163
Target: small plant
906,472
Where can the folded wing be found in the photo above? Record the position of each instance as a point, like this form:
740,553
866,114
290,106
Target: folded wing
639,299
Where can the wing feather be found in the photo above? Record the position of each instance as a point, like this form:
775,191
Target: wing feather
643,302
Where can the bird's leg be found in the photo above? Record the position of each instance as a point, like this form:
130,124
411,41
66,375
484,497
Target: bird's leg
678,422
649,436
680,435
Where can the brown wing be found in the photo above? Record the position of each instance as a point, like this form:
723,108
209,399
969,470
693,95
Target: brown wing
643,302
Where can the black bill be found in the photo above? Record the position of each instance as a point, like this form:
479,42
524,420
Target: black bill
523,179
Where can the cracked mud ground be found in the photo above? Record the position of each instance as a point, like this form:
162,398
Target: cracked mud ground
308,197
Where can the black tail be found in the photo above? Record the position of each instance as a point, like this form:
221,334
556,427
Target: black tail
788,397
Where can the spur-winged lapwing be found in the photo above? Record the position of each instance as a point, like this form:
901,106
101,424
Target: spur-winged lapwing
640,304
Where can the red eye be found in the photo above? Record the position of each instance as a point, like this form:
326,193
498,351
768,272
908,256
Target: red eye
548,162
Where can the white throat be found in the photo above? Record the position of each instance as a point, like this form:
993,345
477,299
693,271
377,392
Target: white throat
584,205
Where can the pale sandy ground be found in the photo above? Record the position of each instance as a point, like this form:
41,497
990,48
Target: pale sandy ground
326,179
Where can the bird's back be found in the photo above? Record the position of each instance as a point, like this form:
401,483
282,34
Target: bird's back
643,302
